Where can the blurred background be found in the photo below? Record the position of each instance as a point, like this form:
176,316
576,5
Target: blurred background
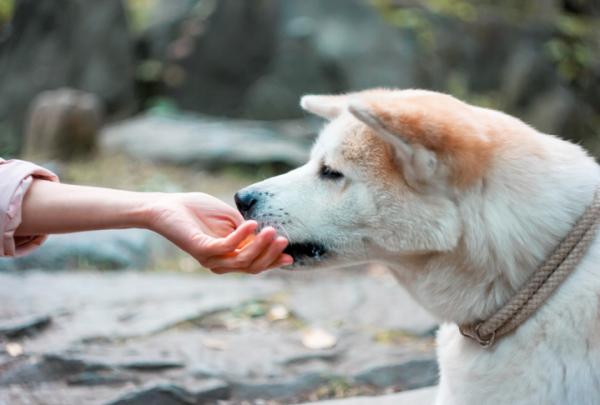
202,95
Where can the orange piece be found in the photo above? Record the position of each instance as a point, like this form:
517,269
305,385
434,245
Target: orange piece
249,239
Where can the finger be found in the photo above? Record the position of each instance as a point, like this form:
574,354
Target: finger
269,256
242,260
221,246
281,261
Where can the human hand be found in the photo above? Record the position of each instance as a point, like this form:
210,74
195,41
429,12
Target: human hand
212,232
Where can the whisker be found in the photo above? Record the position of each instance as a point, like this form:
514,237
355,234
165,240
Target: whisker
267,220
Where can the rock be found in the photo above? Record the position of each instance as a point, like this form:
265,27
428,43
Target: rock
526,69
276,95
50,394
205,68
171,394
168,12
335,43
160,30
82,44
110,249
102,377
118,331
99,309
278,389
63,124
220,390
151,365
354,35
410,375
485,58
48,368
208,142
28,326
329,356
157,395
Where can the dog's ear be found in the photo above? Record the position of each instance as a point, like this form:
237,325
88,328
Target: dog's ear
419,163
325,106
435,136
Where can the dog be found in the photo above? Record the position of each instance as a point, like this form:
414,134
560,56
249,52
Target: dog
463,204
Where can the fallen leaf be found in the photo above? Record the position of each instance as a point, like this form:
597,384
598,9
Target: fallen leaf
278,313
317,338
14,349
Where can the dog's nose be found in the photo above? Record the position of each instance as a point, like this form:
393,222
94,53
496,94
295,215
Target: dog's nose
245,201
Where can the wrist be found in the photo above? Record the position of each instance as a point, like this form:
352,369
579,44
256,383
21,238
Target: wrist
146,210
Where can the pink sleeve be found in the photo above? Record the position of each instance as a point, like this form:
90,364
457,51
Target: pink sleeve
15,178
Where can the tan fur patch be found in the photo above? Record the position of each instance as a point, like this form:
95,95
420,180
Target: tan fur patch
455,131
364,148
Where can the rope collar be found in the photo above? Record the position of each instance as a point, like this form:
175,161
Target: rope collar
542,283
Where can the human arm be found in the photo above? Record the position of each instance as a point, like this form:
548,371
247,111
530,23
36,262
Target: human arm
199,224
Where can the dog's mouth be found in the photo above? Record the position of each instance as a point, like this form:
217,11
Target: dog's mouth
305,250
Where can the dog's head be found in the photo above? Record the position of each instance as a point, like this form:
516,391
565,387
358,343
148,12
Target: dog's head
381,181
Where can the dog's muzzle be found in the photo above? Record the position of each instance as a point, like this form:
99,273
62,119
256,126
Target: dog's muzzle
248,201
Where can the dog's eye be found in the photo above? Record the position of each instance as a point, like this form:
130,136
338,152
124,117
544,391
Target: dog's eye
329,174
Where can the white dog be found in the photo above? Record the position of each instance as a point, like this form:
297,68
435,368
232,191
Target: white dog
463,204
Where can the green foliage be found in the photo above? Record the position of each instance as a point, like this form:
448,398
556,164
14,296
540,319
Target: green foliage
418,19
416,22
462,9
412,19
139,13
572,43
7,7
572,48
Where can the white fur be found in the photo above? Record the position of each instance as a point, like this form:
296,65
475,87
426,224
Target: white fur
462,254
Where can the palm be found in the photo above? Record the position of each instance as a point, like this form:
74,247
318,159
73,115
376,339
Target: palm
211,231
